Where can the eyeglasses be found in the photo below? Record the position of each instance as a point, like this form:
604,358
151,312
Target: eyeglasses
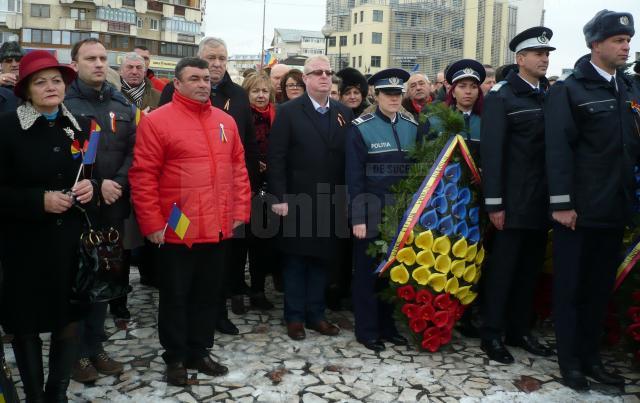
11,60
292,86
319,72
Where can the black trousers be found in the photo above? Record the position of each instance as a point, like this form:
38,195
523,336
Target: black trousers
189,283
584,264
509,282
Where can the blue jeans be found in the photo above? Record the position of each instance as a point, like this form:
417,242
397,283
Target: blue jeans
305,279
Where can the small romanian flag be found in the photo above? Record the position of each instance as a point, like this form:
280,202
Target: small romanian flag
178,222
76,151
91,146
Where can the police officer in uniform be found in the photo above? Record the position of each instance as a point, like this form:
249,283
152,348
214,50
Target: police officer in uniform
592,144
376,158
515,191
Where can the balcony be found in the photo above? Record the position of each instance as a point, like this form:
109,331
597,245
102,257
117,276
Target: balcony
119,27
83,24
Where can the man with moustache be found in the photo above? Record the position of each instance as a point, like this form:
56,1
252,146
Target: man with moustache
306,177
592,145
418,94
515,192
91,96
232,99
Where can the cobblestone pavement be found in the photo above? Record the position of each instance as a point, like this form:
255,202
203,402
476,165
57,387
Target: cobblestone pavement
265,365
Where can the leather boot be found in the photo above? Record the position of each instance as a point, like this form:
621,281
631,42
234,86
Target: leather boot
62,356
28,352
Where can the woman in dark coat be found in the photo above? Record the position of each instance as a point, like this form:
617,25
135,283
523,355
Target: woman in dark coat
39,160
353,90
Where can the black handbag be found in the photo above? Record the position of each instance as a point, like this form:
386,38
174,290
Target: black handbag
100,267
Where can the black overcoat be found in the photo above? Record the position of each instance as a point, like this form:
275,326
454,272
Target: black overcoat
39,252
307,170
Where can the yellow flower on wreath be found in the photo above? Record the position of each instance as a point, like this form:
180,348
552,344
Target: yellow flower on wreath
399,274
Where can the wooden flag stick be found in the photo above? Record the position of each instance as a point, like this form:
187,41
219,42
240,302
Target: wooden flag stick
163,231
78,175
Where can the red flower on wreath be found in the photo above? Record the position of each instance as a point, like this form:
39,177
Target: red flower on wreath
432,343
417,325
445,336
634,331
430,332
441,318
634,313
411,310
424,297
407,292
427,311
442,301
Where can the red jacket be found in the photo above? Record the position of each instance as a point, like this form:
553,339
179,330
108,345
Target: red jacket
157,83
181,157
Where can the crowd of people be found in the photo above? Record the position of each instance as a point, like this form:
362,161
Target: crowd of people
280,173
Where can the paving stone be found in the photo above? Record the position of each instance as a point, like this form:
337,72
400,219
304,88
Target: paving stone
311,398
408,395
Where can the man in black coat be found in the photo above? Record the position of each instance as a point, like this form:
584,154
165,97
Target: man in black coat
306,178
91,96
592,145
231,98
515,191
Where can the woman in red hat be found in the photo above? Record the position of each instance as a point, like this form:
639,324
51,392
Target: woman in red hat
39,160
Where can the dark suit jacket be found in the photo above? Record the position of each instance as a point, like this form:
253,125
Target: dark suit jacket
306,170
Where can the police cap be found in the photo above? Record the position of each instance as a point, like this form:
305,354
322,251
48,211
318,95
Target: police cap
389,81
532,38
465,68
606,24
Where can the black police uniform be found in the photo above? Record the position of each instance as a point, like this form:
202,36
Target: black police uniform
513,168
376,158
592,144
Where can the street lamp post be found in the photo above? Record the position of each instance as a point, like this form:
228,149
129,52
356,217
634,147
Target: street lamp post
327,30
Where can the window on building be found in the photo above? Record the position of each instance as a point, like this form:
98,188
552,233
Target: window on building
78,14
46,36
413,19
343,40
377,15
140,23
154,24
414,41
40,10
361,16
56,37
359,61
360,35
11,6
355,18
332,41
353,61
438,21
375,61
355,39
36,35
456,43
376,38
444,44
66,38
129,3
75,37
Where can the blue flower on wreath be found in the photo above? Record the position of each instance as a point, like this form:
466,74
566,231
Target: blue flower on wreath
474,215
461,229
429,219
453,172
474,234
440,204
459,210
445,225
451,191
464,196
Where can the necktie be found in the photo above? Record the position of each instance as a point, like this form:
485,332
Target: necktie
322,110
613,83
467,122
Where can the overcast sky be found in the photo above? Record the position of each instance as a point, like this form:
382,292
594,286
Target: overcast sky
239,23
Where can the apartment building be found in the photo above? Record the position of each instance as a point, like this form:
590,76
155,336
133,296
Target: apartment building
295,42
171,29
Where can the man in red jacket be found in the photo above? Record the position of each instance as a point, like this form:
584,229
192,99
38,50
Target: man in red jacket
189,154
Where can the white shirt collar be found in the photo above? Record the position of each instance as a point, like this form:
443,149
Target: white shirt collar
603,73
317,105
535,87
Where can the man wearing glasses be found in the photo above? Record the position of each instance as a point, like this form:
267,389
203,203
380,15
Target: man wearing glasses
10,55
306,179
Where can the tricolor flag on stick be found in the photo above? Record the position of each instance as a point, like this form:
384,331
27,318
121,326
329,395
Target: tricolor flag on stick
178,222
90,148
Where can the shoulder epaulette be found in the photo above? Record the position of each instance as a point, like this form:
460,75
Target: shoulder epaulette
496,87
408,118
362,118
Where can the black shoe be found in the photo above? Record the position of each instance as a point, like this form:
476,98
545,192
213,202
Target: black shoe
496,351
225,326
259,301
176,374
531,345
120,312
207,366
601,375
375,345
396,340
575,380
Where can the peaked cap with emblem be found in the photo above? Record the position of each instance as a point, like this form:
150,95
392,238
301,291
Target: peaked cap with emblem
389,80
465,68
606,24
532,38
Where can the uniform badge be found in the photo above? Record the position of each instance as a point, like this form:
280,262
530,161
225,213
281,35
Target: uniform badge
341,120
624,20
394,81
469,70
69,132
543,38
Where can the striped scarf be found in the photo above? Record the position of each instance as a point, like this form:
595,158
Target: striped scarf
134,93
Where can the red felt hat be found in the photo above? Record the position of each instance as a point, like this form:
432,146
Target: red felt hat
36,61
